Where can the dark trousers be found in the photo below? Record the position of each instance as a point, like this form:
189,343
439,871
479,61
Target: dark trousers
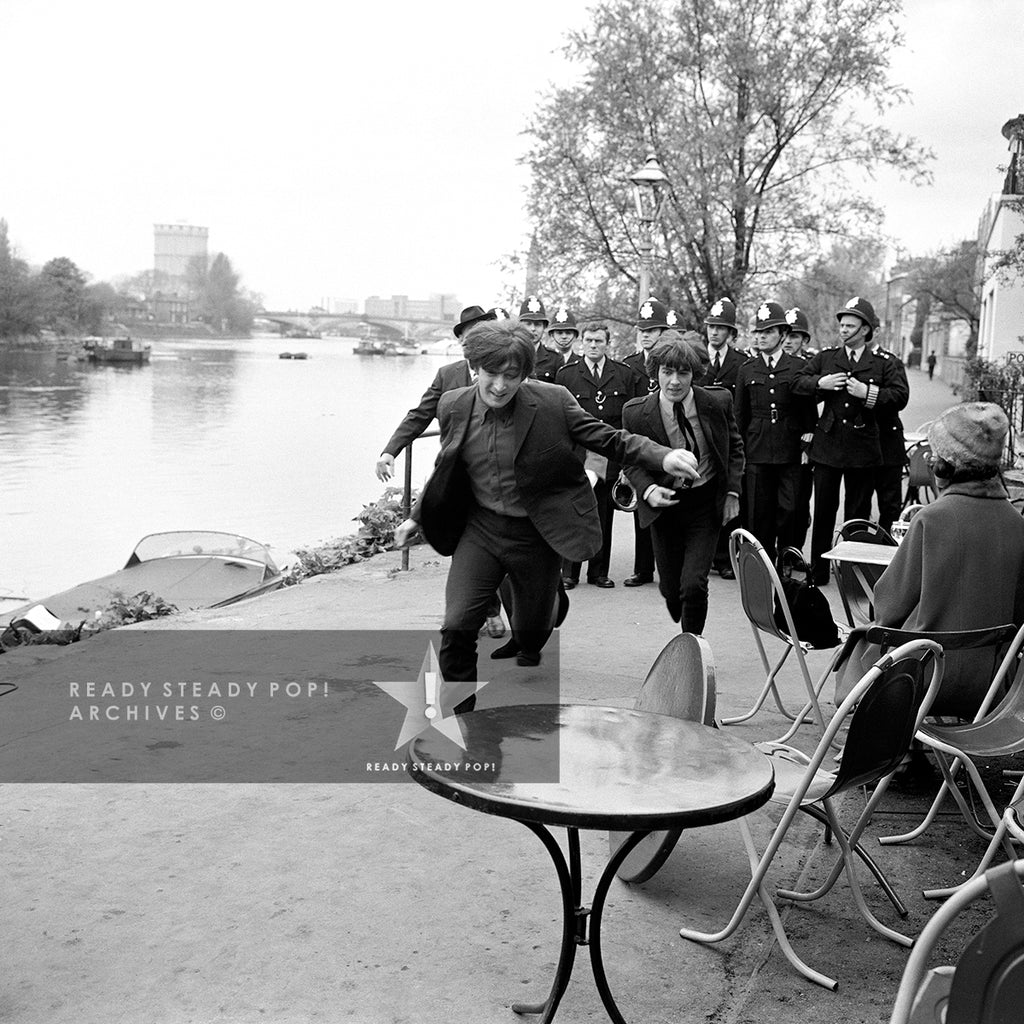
802,515
859,484
771,492
643,550
889,488
493,547
684,538
598,565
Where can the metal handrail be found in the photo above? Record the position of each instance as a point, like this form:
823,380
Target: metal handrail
407,490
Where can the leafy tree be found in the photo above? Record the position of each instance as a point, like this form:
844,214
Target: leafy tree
952,280
759,111
100,303
827,284
219,301
18,306
61,290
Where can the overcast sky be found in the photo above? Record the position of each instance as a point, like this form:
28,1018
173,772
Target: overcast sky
346,149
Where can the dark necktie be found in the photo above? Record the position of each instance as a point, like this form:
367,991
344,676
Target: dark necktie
687,430
717,364
593,370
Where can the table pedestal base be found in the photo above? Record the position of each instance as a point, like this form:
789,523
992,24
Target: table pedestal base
581,926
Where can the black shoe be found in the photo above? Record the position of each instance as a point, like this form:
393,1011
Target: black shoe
568,584
508,650
726,573
637,580
528,660
601,581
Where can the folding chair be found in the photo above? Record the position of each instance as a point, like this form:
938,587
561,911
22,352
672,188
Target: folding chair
760,589
884,710
681,683
987,984
1012,816
921,487
994,732
856,583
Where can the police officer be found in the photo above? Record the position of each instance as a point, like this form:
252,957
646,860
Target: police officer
798,343
854,384
534,317
563,332
771,420
889,475
602,386
651,323
721,331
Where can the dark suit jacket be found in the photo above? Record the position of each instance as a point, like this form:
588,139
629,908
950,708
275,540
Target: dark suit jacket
553,487
642,416
448,378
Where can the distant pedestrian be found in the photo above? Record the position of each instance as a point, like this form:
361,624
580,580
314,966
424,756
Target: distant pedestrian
931,365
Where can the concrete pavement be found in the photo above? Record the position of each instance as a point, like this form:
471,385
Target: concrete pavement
385,904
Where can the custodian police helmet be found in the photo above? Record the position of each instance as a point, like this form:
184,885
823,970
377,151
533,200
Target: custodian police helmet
722,313
770,314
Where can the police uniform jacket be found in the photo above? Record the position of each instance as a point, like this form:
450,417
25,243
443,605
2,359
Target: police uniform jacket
546,364
890,427
603,397
448,377
847,434
638,362
727,374
770,416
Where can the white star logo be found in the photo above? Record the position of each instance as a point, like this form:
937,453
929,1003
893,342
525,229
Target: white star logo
533,304
854,301
670,318
716,309
561,315
500,313
646,311
791,316
429,701
763,312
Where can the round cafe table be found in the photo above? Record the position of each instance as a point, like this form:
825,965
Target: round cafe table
610,769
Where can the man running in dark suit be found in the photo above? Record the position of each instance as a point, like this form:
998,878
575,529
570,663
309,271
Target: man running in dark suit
685,521
509,495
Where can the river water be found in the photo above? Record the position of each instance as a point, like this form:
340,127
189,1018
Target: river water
208,435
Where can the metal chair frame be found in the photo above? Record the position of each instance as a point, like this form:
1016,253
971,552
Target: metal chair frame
856,583
994,732
884,709
760,588
987,984
680,683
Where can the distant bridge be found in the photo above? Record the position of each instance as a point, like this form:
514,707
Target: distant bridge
397,328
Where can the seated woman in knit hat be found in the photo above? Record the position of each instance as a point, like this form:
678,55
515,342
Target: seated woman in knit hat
961,564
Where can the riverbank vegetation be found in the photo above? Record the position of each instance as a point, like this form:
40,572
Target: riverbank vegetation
377,524
39,306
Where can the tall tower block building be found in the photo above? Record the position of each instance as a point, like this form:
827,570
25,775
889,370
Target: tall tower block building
174,245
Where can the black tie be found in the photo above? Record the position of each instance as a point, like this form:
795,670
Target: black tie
593,371
687,430
717,364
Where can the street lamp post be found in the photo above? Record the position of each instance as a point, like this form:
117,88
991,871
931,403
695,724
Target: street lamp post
648,193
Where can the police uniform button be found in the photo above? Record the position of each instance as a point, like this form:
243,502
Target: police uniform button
771,391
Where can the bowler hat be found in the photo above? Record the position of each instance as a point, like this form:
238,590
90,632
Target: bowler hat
533,309
722,314
469,316
769,314
652,314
